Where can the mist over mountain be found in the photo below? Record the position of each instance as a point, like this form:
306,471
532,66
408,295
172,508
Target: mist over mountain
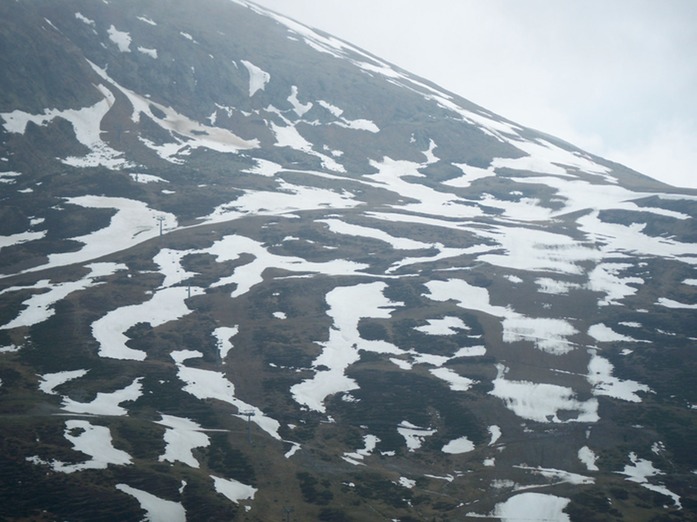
249,271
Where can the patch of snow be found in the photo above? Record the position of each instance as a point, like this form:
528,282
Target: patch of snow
495,433
50,381
542,402
94,441
641,470
587,457
555,287
166,305
454,380
106,403
604,334
121,38
344,343
338,226
265,168
258,78
470,351
669,303
530,506
188,36
208,384
9,177
152,53
39,307
299,107
547,334
559,476
223,334
147,178
84,19
414,435
458,446
157,509
470,174
356,457
181,437
407,483
444,326
233,490
604,383
23,237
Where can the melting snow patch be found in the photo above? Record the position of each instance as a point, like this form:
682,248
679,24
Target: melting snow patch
601,379
470,351
530,506
50,381
166,305
342,348
23,237
559,476
157,509
454,380
182,436
208,384
605,334
258,78
587,457
121,39
413,435
458,446
542,402
445,326
669,303
84,19
106,403
146,20
641,470
407,483
356,457
547,334
495,433
233,490
223,335
147,178
152,53
299,107
91,440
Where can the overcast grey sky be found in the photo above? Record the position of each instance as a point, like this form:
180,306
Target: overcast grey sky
615,77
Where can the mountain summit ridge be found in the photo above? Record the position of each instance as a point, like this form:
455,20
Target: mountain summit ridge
250,272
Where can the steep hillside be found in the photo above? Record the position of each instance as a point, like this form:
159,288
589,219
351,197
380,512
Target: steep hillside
250,272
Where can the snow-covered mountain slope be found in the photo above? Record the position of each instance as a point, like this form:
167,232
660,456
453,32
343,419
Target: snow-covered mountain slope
251,272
